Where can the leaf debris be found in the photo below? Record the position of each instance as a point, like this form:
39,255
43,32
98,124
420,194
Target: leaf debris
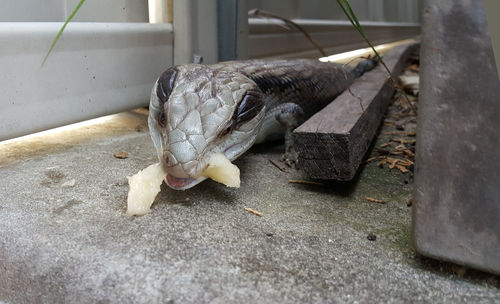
374,200
405,133
397,150
253,211
121,155
410,202
278,165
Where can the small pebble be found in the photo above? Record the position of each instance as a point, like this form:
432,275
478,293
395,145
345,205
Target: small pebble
410,202
269,234
371,237
122,181
121,155
70,183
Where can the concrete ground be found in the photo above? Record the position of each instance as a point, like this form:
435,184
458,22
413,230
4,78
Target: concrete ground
65,237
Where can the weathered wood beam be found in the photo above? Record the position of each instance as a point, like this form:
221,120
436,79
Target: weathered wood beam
456,216
333,142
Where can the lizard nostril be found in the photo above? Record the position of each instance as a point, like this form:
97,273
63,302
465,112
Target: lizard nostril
161,119
167,159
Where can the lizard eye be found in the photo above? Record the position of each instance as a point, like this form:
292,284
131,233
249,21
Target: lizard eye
248,108
163,91
166,84
250,105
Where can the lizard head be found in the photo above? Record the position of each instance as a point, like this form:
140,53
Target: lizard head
196,111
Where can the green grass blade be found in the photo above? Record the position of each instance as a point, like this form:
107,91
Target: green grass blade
62,30
353,16
346,7
346,13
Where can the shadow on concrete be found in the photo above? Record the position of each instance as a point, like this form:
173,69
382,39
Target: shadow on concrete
449,270
204,190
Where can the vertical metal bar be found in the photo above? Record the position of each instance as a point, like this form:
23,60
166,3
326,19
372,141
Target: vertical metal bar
195,31
232,28
183,31
206,30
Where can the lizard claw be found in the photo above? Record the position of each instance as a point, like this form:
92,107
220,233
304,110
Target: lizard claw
290,158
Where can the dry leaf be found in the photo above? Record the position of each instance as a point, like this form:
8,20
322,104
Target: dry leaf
121,155
402,168
253,211
374,200
279,165
409,153
403,141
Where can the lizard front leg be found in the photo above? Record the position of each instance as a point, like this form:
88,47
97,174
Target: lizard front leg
280,122
290,116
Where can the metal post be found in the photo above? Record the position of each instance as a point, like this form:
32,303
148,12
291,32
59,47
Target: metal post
195,31
232,28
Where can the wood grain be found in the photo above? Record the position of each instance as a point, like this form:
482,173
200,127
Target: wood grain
332,143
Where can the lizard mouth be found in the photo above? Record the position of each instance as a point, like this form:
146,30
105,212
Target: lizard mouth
184,183
179,183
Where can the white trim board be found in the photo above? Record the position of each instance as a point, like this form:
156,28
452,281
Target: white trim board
95,69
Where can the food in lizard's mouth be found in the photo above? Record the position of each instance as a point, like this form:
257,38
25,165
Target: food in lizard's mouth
221,170
143,188
145,184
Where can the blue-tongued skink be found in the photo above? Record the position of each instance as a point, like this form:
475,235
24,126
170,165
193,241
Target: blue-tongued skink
198,110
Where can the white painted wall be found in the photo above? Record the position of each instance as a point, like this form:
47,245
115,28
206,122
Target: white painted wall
383,21
366,10
96,69
59,10
269,38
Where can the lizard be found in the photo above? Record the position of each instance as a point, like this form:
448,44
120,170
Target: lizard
197,110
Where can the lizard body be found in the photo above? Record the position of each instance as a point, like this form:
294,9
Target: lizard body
198,110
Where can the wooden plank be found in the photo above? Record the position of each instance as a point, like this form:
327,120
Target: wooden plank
456,215
333,142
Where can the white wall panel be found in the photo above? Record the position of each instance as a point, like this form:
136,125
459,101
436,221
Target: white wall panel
383,21
268,38
95,69
32,11
366,10
59,10
109,10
